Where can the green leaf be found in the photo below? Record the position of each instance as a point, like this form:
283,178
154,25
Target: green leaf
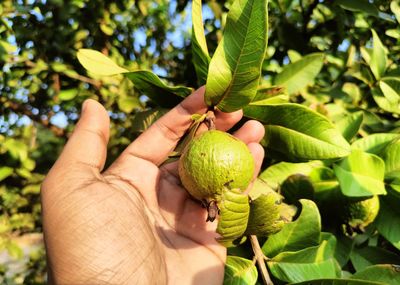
239,271
391,157
128,104
97,63
267,214
361,258
296,187
375,143
201,58
298,272
276,174
235,68
151,85
298,132
5,171
395,7
388,220
318,253
299,74
350,125
385,273
234,214
378,58
66,95
303,232
388,95
334,281
359,6
361,174
143,120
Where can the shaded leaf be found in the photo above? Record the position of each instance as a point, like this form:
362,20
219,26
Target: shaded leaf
235,68
97,63
385,273
298,132
334,281
151,85
299,234
239,271
391,157
359,5
296,187
201,58
299,74
388,219
361,258
361,174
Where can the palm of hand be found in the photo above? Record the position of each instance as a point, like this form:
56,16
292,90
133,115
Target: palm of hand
132,223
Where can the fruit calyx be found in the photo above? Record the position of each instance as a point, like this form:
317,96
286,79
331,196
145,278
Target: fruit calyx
212,210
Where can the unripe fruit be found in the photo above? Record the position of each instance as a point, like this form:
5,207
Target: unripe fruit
213,161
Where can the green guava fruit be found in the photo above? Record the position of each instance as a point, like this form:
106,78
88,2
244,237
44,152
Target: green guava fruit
360,213
212,162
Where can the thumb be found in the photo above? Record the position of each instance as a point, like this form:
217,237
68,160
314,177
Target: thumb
87,146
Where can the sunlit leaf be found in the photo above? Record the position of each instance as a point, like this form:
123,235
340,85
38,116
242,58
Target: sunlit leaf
299,74
378,58
201,58
375,143
234,214
97,63
361,174
350,125
235,68
298,132
239,271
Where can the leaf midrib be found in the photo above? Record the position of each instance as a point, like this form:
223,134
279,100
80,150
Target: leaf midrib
234,74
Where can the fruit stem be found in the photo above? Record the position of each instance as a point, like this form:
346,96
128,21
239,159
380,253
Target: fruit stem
259,256
212,211
210,120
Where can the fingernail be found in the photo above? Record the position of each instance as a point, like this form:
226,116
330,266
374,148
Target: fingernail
84,105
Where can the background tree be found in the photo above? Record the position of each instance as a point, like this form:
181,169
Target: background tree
339,58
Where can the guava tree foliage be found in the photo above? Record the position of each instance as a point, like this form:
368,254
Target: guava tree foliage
322,76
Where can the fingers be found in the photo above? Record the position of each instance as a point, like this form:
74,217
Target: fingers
156,143
87,146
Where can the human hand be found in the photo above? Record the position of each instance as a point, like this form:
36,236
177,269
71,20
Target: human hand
132,223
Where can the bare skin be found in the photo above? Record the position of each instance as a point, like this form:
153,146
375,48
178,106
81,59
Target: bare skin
132,223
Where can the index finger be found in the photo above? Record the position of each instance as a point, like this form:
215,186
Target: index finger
157,142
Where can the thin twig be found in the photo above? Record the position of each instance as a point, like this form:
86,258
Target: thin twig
259,256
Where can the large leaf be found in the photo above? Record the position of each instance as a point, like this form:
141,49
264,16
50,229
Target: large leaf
391,157
98,63
363,257
350,125
298,272
388,219
298,132
276,174
395,7
267,215
235,67
201,58
385,273
299,74
375,143
151,85
303,232
361,174
234,214
378,58
335,281
239,271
